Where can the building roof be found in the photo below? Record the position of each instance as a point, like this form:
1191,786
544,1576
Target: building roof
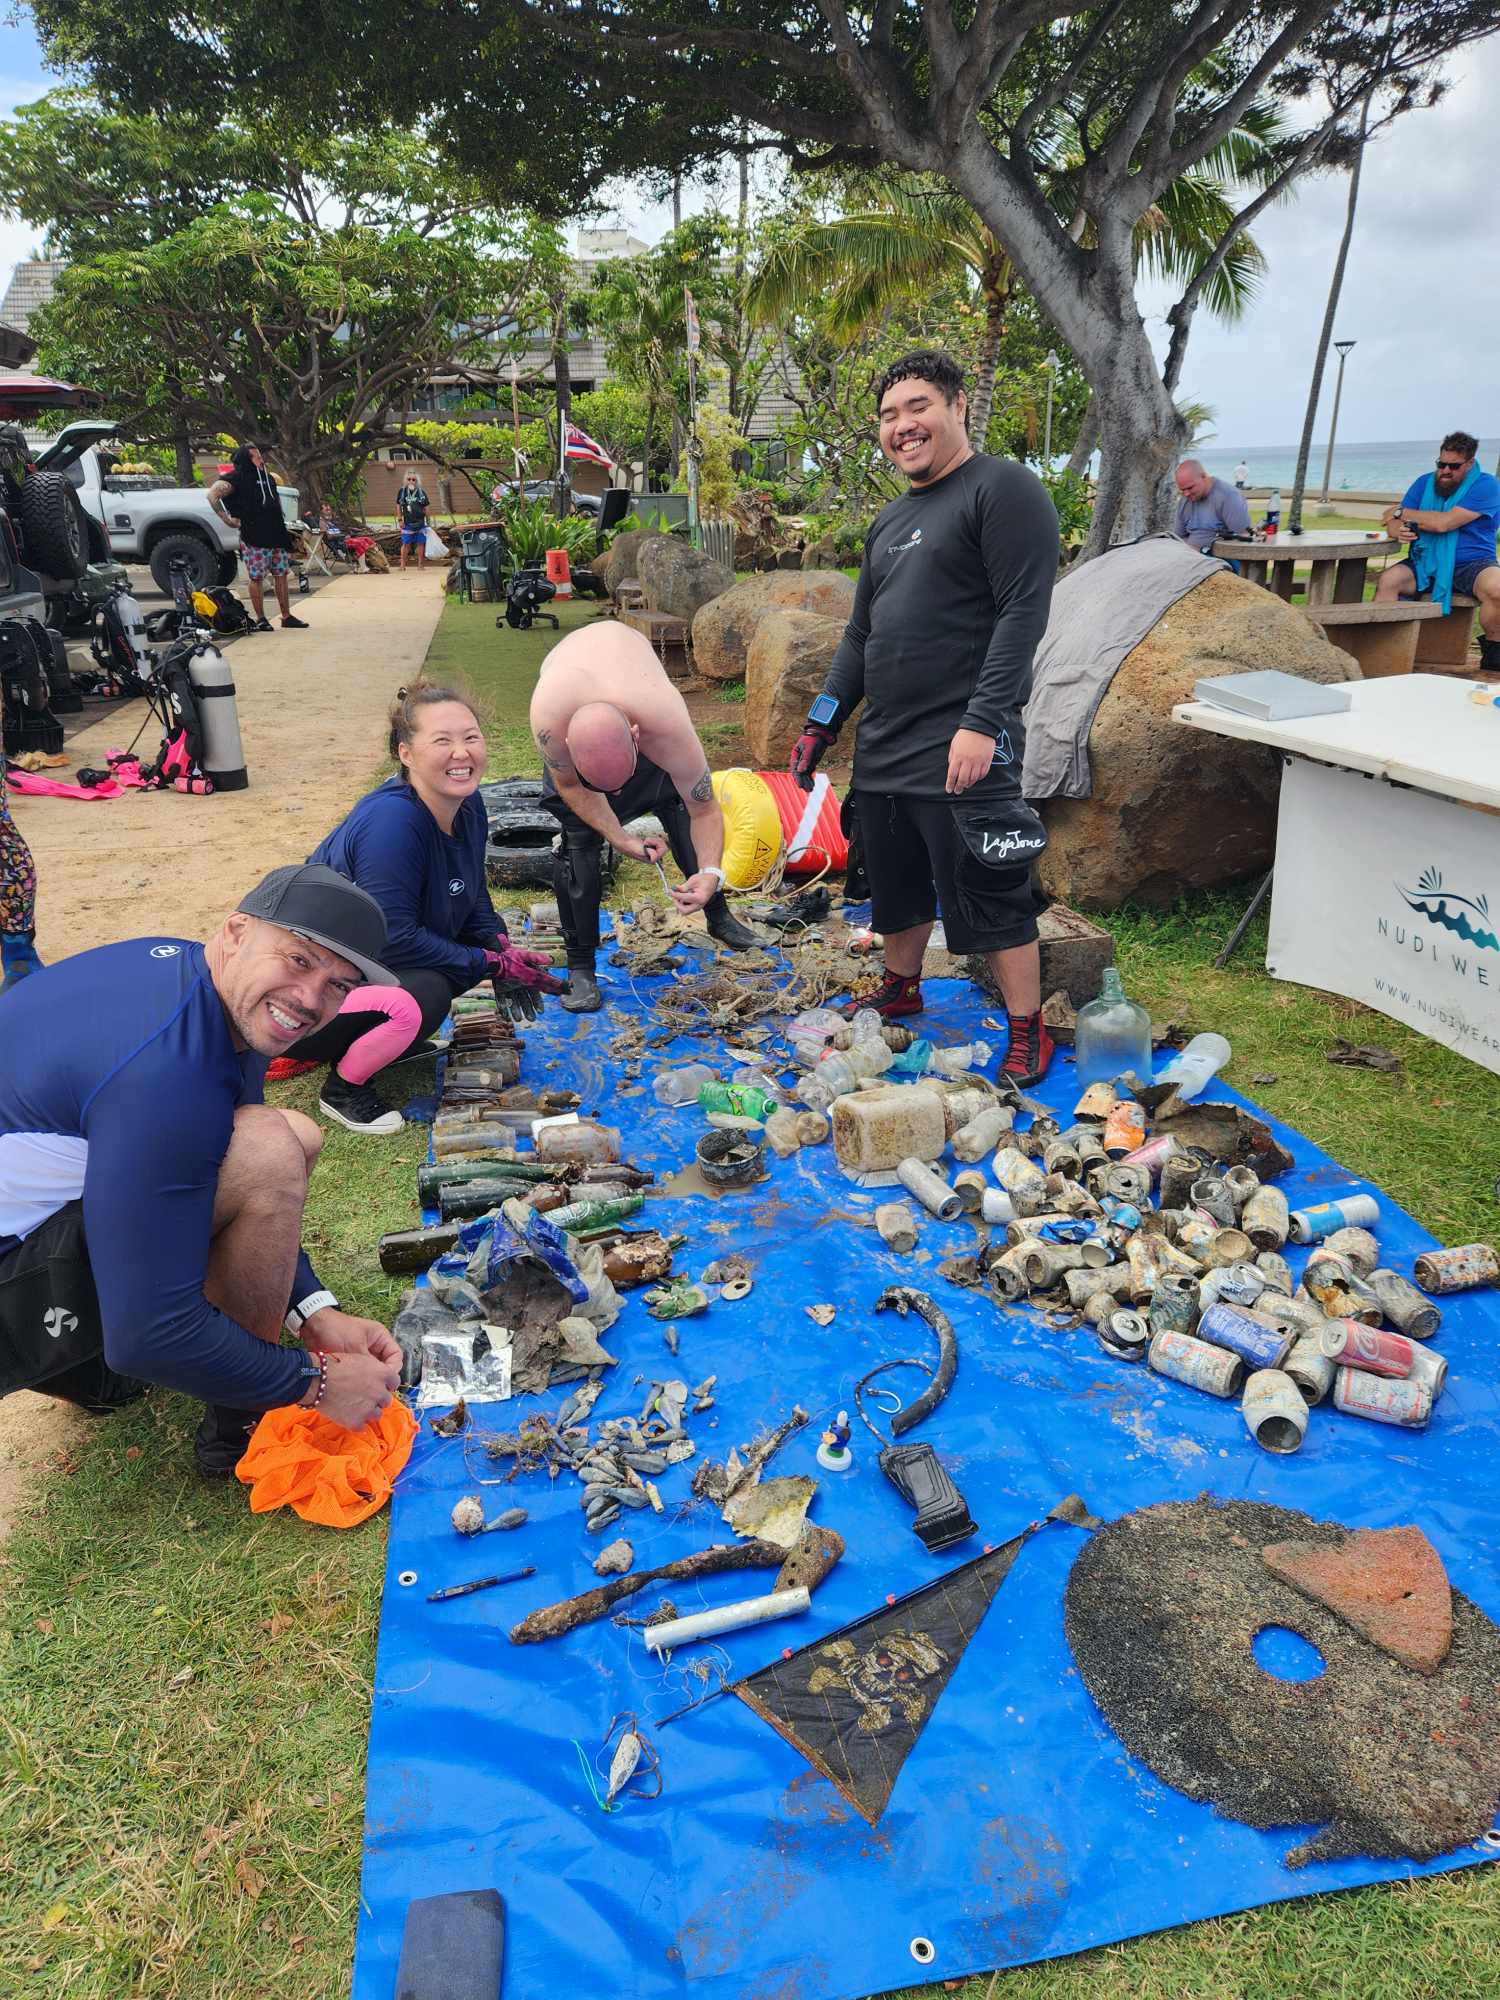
32,283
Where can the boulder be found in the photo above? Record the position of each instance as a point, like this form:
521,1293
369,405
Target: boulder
790,655
723,629
822,554
1174,809
677,578
618,560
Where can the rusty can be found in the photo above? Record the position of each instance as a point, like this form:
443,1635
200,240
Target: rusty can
1060,1156
1230,1246
1174,1303
1042,1265
1265,1218
1096,1102
1003,1278
1358,1393
1429,1368
1196,1232
1357,1247
971,1187
1113,1282
1352,1345
1337,1290
1124,1183
1185,1358
1177,1177
1125,1129
1276,1271
1404,1306
1239,1330
1458,1270
1214,1199
1146,1259
1015,1173
1242,1183
1355,1211
1310,1368
1154,1155
1274,1410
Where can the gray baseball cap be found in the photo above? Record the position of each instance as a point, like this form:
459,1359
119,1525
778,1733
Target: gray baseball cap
320,904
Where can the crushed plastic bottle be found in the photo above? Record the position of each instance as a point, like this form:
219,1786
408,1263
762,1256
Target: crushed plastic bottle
955,1062
1191,1069
681,1086
1113,1036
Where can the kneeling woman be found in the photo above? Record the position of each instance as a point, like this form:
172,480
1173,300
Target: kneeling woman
416,844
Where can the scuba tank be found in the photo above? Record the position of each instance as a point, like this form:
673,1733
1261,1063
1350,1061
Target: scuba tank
223,757
118,640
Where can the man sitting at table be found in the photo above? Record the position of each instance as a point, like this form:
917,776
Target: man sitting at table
1449,516
1208,510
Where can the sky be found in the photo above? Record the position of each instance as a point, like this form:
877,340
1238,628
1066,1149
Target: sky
1421,293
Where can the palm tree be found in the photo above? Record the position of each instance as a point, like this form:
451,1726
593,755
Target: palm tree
912,236
644,332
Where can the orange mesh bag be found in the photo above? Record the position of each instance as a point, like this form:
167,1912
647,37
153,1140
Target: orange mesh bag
338,1478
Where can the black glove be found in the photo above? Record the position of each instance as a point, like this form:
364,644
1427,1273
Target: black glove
516,1002
808,752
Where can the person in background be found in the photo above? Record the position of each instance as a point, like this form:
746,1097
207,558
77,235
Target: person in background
1242,475
416,845
17,899
248,500
952,602
150,1203
1209,510
411,507
354,548
1449,517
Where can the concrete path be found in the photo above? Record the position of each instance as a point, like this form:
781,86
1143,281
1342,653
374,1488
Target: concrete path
312,709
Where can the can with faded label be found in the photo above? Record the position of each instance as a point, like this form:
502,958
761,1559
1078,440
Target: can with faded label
1357,1247
1174,1303
1358,1393
1276,1271
1352,1345
1187,1359
1310,1368
1458,1270
1253,1339
1404,1306
1274,1410
1355,1211
1265,1218
1429,1368
1210,1194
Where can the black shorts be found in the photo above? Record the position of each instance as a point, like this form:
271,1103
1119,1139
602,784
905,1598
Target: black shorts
49,1310
917,865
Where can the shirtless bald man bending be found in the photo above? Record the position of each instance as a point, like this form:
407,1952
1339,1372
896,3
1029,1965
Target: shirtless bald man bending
617,741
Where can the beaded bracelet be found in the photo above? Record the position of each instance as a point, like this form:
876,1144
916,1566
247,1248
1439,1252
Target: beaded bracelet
322,1361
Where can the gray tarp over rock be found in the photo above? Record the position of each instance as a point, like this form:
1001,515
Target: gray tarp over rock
1100,612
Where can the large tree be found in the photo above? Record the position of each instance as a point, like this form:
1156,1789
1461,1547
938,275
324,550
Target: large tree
225,280
969,90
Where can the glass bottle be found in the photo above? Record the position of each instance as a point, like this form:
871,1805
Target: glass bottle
1113,1036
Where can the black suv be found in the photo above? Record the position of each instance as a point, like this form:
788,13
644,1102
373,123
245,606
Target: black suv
49,526
34,679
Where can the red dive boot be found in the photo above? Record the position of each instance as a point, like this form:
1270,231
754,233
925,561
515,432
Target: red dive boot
893,997
1030,1052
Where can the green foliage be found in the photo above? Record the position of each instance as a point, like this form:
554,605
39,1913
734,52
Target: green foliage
718,440
532,528
1073,501
849,532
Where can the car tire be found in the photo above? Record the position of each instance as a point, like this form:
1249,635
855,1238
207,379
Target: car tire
229,569
98,541
54,526
199,554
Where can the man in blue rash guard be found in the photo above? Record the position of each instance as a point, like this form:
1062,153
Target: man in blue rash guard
150,1202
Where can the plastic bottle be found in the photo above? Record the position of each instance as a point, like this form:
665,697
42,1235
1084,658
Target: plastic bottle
954,1062
1113,1036
1192,1068
817,1023
739,1100
681,1086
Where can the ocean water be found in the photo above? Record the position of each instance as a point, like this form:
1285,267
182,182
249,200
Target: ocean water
1359,468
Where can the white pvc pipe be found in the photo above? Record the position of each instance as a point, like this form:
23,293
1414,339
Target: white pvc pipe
727,1618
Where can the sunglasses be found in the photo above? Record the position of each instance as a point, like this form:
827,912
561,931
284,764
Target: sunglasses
1451,464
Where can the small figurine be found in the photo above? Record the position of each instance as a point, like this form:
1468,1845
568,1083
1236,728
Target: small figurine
834,1454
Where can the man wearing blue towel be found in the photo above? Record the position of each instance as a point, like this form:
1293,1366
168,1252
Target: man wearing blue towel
1449,517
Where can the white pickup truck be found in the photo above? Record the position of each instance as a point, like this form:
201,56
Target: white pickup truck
142,520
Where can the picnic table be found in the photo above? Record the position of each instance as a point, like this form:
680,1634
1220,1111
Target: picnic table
1384,638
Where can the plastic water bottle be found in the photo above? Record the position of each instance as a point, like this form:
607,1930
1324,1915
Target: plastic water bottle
1113,1036
1191,1069
740,1100
681,1086
954,1062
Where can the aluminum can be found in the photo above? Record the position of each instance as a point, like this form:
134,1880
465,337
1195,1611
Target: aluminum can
1124,1128
1234,1285
1177,1177
1355,1211
1357,1247
1309,1367
1129,1332
1217,1203
1230,1246
1242,1183
930,1189
1276,1271
1233,1327
1404,1306
1360,1394
1015,1173
1429,1368
1187,1359
1174,1303
1352,1345
1274,1410
1457,1270
1153,1156
1265,1218
1130,1184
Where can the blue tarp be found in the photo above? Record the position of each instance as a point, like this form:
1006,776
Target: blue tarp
1018,1828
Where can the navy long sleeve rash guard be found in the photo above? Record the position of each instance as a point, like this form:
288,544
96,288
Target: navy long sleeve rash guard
430,884
119,1081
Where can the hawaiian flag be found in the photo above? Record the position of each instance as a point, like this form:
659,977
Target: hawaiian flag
581,445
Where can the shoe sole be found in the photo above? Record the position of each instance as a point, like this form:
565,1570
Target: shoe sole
379,1130
581,1006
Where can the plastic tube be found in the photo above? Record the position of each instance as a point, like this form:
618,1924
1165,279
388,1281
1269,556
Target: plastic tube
725,1618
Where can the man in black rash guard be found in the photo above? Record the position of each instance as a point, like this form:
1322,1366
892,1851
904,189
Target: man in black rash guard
952,600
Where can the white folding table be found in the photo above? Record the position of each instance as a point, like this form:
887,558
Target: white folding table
1387,877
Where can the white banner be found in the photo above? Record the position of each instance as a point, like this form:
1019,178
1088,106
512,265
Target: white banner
1392,897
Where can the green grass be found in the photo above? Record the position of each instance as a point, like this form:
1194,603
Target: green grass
185,1688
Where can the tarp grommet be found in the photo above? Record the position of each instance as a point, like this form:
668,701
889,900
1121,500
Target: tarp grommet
407,1578
923,1950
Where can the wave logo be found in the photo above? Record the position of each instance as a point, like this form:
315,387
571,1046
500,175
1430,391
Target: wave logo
1468,917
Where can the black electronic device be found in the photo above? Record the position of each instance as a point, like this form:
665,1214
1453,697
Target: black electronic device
917,1473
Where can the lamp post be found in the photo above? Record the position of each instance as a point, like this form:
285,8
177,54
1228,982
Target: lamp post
1051,364
1343,347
